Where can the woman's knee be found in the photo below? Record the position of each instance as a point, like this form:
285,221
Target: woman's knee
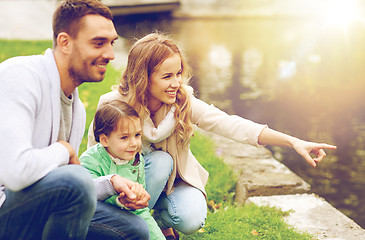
185,209
186,218
188,221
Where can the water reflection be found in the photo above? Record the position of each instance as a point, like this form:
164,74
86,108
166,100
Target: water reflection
296,76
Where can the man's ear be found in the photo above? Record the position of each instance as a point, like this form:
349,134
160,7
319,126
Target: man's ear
64,42
103,140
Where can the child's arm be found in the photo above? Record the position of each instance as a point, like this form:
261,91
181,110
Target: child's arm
163,130
103,186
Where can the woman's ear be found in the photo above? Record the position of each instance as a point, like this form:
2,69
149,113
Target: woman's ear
103,140
64,42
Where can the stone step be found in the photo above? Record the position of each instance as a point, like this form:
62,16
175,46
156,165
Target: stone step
263,180
259,174
312,214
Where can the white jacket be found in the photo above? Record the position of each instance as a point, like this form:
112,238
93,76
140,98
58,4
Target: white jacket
30,109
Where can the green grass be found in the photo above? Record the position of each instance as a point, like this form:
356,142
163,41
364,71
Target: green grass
222,183
230,221
247,222
12,48
225,220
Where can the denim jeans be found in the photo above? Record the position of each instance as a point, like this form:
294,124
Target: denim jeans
158,167
59,206
185,209
112,223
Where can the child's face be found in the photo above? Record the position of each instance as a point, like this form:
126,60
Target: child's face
125,141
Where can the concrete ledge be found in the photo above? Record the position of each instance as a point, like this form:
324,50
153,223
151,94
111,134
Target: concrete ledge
312,214
265,177
263,180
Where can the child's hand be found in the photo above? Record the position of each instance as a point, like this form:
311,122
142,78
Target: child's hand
128,191
141,199
138,190
123,185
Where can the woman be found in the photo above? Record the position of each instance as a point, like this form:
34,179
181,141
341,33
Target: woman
154,83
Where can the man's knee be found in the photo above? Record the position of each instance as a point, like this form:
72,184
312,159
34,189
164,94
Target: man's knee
99,231
141,229
77,182
110,220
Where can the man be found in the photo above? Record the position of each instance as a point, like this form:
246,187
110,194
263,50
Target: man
44,192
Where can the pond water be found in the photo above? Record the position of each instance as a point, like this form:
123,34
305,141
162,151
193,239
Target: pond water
301,77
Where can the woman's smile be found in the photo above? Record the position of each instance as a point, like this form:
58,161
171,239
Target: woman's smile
165,82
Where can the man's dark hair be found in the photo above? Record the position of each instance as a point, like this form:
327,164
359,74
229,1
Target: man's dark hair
68,14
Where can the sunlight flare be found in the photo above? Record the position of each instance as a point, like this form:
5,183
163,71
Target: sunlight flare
341,13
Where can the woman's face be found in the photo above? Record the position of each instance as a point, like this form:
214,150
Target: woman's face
164,83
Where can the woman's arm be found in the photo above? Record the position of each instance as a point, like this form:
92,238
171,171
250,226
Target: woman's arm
212,119
242,130
271,137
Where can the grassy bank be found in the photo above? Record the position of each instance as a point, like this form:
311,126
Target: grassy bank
225,220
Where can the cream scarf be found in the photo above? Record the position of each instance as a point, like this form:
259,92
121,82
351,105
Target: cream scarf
170,145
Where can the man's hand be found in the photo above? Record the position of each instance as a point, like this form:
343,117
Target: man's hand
131,194
73,156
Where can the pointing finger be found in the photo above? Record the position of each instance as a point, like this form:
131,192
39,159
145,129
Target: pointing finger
327,146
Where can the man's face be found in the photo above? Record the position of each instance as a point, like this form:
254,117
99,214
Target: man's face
92,49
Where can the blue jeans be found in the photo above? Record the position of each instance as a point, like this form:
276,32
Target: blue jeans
59,206
158,167
112,223
185,209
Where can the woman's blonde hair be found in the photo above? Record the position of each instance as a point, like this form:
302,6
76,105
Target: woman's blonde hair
145,58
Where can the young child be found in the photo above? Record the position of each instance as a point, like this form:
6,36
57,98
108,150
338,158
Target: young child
118,130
